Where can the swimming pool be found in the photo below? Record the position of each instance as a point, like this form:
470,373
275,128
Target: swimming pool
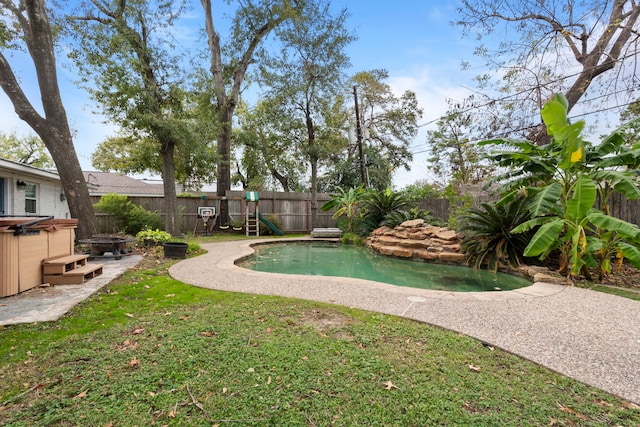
319,258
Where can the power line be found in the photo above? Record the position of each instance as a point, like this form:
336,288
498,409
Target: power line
514,95
533,126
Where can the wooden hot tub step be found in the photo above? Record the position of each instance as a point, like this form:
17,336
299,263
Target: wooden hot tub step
59,265
77,276
69,270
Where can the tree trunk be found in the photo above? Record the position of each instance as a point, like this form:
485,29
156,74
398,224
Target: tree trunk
171,223
53,128
72,179
226,103
283,180
314,192
224,162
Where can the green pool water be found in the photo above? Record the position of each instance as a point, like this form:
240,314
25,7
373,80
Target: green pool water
329,259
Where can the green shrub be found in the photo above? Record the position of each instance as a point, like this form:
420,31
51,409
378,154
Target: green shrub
395,218
128,217
273,219
376,206
156,236
487,234
352,238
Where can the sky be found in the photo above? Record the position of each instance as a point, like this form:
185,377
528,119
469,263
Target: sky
413,40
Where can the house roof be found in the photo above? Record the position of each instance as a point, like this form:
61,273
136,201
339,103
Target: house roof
28,169
101,183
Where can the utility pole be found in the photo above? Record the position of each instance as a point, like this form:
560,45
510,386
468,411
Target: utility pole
363,176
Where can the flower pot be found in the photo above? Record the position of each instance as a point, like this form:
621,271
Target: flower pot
175,249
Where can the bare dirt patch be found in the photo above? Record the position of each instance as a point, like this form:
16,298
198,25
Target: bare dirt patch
326,322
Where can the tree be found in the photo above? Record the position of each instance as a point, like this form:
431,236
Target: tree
29,27
266,153
389,122
29,150
251,25
631,118
306,78
122,51
596,37
343,169
194,160
455,157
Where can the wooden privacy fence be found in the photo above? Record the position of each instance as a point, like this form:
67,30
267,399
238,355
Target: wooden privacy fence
294,209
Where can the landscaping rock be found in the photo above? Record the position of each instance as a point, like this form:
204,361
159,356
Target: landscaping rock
412,223
415,239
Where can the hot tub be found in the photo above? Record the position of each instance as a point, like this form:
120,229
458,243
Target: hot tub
27,241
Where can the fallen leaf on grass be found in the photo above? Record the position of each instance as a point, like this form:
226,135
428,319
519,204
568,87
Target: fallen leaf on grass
568,410
474,368
630,405
128,314
127,345
389,385
137,331
81,395
170,295
184,317
172,414
208,334
134,363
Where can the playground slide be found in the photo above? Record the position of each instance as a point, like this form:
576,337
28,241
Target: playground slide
270,225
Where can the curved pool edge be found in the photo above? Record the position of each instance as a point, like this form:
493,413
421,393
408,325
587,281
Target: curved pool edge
237,250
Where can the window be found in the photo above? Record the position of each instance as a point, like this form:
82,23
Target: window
30,205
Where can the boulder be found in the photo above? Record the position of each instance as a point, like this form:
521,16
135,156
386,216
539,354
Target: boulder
412,223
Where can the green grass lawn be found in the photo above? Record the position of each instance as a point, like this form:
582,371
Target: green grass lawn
149,350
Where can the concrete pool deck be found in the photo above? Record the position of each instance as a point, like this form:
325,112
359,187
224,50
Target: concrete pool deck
589,336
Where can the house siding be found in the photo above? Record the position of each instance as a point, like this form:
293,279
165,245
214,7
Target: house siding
48,190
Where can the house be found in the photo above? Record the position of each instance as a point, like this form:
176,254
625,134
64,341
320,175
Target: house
101,183
27,190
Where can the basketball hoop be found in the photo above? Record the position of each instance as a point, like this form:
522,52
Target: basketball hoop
206,213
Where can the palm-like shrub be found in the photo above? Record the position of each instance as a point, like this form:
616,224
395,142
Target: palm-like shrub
347,203
488,238
376,206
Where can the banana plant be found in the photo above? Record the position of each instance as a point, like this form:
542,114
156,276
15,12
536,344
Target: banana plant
347,203
563,181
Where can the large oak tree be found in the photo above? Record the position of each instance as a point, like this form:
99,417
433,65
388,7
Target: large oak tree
29,28
252,23
122,53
